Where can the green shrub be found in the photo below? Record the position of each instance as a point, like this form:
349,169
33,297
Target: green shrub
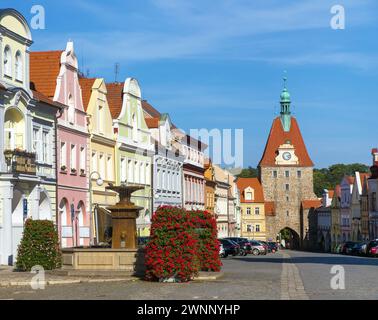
39,246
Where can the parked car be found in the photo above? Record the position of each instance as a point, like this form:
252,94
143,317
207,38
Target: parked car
258,248
273,247
230,247
245,246
222,252
359,249
347,247
265,244
372,248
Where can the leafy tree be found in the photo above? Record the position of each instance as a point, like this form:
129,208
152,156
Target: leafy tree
249,173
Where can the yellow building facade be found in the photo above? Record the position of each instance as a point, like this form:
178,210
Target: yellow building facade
252,208
102,145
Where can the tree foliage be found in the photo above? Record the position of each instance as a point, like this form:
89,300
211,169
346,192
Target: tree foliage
249,173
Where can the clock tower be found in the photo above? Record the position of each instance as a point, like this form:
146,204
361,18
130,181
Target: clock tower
286,175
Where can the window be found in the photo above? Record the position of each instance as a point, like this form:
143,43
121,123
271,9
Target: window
45,146
101,162
248,210
249,228
287,174
123,170
100,119
248,195
299,174
287,199
36,143
73,158
287,213
18,66
142,174
7,62
130,171
148,174
257,210
82,160
63,154
287,187
94,161
257,228
136,172
71,110
135,128
109,167
274,174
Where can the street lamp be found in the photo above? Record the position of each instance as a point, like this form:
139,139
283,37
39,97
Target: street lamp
99,182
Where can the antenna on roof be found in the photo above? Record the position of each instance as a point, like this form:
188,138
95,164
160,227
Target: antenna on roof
116,72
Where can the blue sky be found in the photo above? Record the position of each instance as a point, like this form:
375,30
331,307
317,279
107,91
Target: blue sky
219,64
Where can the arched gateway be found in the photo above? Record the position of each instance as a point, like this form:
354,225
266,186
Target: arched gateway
286,175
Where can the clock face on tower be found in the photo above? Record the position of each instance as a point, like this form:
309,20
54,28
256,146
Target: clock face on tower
286,156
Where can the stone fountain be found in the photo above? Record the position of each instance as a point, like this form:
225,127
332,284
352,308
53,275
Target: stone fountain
124,256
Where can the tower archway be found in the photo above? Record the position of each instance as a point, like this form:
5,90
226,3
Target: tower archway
289,238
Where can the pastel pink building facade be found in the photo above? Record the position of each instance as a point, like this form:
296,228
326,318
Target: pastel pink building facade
73,141
73,216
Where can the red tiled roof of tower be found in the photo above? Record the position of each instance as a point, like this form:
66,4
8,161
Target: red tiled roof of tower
115,98
86,85
308,204
270,209
44,71
254,183
278,136
152,122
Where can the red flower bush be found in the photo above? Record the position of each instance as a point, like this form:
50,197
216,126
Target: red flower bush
171,251
207,240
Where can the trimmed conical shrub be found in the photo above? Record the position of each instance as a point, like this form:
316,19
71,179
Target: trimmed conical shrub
39,246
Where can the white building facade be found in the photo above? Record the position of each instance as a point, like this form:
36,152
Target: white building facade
27,147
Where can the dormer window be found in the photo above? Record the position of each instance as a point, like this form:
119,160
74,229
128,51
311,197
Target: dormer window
249,194
18,66
7,62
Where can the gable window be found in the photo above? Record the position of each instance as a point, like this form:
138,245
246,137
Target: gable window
7,62
135,128
18,66
71,110
100,117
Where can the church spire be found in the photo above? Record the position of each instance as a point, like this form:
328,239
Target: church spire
285,107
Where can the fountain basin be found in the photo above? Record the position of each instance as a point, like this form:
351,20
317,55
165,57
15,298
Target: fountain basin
98,260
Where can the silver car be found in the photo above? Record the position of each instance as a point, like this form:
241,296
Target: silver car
222,252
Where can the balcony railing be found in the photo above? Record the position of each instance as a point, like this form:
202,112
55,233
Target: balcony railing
20,161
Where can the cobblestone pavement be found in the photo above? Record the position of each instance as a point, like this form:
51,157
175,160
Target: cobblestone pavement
284,275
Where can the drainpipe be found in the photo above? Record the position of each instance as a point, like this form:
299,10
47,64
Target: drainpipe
60,114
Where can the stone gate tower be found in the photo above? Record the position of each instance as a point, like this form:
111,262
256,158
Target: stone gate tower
286,174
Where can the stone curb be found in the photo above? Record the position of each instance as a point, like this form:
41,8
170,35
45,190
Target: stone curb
203,277
5,284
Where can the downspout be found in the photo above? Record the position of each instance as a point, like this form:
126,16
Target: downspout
60,113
